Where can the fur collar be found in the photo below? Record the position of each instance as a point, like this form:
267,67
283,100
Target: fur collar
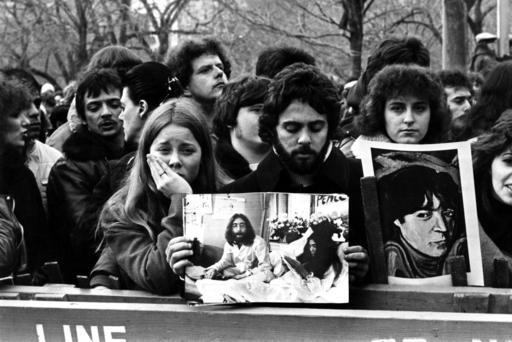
84,146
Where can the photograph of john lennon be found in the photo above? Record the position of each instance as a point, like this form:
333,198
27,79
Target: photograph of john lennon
423,220
267,247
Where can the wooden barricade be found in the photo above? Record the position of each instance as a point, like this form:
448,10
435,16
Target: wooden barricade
376,313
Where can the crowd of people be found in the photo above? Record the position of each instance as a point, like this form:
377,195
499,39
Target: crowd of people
93,176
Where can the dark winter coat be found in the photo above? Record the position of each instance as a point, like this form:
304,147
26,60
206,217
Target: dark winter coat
75,200
18,182
230,160
337,174
132,255
12,246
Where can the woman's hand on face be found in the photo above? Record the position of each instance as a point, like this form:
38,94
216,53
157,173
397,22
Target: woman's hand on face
177,253
166,180
358,262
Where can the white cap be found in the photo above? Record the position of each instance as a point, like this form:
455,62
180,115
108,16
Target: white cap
485,36
47,87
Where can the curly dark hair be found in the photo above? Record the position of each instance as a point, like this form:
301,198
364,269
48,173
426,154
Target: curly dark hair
455,79
396,80
274,59
250,233
395,50
243,92
180,59
304,83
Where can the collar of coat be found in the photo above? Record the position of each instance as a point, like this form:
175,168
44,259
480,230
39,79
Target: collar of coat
335,169
230,160
84,145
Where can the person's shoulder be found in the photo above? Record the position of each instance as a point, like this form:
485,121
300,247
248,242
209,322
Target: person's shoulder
352,165
247,183
258,240
48,153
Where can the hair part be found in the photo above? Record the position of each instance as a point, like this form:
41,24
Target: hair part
403,80
142,204
92,84
250,234
299,82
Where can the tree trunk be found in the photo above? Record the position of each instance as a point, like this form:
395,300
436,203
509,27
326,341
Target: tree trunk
356,48
354,18
454,35
81,53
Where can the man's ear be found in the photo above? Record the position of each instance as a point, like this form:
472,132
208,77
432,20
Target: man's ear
143,108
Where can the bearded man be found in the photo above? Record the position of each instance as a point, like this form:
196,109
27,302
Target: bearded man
245,253
301,112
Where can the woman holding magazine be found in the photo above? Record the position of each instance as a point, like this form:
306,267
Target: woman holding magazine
405,105
143,218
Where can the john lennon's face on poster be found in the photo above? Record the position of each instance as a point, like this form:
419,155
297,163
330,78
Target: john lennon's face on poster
428,230
427,210
239,228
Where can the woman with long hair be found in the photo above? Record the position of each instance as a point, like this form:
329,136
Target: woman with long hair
492,164
405,105
20,199
174,157
145,87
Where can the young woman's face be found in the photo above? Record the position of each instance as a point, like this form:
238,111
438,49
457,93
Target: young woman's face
501,174
406,119
177,147
132,120
14,130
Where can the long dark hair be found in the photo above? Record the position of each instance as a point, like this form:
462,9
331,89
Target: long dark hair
250,235
395,80
325,255
150,82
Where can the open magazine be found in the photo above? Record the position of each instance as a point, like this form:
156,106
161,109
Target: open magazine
267,247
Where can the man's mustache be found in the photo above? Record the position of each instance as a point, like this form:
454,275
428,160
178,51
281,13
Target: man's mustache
305,149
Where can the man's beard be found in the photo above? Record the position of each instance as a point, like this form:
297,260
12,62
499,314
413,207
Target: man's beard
240,238
301,166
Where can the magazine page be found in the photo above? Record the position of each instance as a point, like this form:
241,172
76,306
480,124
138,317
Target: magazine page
267,247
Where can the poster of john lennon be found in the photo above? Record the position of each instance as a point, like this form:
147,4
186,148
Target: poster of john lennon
428,211
267,247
